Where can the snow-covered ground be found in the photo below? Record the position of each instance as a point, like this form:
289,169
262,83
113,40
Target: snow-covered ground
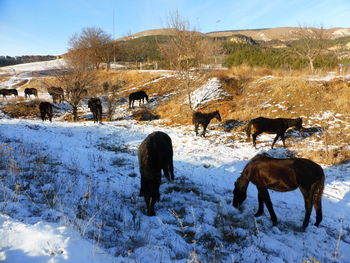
69,193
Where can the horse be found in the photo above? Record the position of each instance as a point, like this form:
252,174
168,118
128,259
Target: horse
282,175
45,109
30,91
138,95
56,93
154,155
204,119
6,92
273,126
96,108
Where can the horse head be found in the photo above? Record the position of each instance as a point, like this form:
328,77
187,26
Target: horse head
239,196
218,117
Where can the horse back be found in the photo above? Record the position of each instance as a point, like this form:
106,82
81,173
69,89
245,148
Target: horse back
267,125
283,174
155,153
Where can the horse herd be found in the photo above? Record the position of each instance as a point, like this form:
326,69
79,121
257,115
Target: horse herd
155,154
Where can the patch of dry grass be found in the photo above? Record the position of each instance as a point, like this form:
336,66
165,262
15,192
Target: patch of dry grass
22,109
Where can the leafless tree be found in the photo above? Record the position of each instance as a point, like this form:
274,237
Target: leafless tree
90,48
111,97
311,43
77,84
185,51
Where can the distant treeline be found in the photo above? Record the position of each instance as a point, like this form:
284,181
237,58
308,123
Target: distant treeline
8,60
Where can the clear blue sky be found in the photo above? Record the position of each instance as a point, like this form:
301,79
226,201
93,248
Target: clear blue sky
29,27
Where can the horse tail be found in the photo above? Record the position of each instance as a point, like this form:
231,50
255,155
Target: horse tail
248,130
317,198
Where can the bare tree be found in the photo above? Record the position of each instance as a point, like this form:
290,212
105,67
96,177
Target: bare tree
112,96
90,48
77,84
311,43
185,51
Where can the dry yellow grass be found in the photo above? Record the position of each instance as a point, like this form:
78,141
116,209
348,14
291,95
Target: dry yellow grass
287,95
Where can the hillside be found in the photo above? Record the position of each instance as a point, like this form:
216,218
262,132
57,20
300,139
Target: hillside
267,34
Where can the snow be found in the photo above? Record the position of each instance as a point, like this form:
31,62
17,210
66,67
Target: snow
36,66
69,193
210,91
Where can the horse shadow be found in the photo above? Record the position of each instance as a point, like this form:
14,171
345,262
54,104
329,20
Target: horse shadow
305,132
232,124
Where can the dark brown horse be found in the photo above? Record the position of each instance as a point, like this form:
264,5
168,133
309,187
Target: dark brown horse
45,110
30,91
282,175
204,119
272,126
155,154
57,94
8,92
138,95
95,106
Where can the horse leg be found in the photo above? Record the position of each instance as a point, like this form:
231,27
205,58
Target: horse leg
204,129
171,169
196,125
275,140
266,197
261,205
282,137
254,139
308,196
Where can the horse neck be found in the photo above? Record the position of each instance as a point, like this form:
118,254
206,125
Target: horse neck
212,115
243,182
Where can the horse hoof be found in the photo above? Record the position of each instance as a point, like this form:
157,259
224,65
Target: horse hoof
258,214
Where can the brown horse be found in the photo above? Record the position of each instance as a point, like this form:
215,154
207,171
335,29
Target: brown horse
138,95
95,106
30,91
282,175
155,155
272,126
45,109
57,94
204,119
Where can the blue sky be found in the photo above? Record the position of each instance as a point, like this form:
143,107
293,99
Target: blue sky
30,27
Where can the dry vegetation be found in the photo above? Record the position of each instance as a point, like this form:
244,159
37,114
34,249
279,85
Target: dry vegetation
323,105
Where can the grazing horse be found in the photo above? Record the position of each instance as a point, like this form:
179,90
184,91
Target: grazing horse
56,93
8,92
45,109
204,119
272,126
30,91
282,175
96,108
155,154
138,95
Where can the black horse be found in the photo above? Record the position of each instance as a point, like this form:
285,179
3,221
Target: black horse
8,92
45,110
95,106
272,126
30,91
138,95
204,119
155,154
282,175
56,93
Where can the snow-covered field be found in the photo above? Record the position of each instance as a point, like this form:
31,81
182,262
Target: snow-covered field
69,193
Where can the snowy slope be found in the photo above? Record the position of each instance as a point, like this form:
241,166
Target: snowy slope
101,160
